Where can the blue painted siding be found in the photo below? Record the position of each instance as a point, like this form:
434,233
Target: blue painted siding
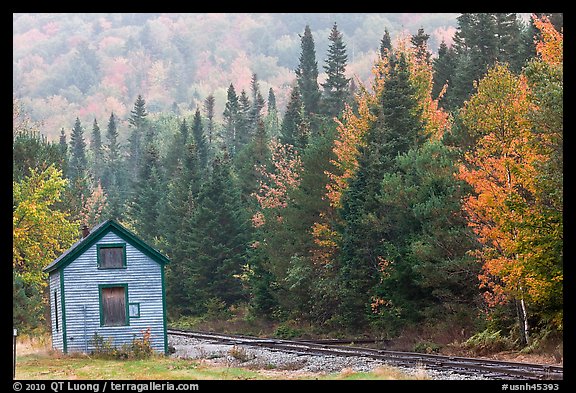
54,280
142,276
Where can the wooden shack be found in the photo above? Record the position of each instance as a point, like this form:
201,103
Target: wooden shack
109,283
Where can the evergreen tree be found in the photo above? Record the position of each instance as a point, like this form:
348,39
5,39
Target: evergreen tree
176,149
145,203
231,113
80,182
200,139
209,104
336,91
385,44
292,122
243,122
476,44
444,66
271,121
247,162
257,105
364,223
111,180
97,152
215,240
509,43
136,144
64,152
78,161
301,286
420,43
307,74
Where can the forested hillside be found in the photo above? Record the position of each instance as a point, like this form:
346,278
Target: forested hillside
424,193
88,65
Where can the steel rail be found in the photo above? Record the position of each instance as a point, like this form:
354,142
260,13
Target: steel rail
497,369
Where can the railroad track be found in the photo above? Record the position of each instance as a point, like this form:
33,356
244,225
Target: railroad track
494,369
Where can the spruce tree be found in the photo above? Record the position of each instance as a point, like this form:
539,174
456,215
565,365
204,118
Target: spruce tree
209,104
509,42
112,180
271,120
307,74
64,152
145,203
136,144
292,122
385,44
97,152
364,223
336,91
243,123
443,66
257,105
230,115
200,138
176,149
420,43
215,240
78,161
247,163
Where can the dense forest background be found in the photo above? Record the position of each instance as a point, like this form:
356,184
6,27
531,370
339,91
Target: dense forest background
324,173
88,65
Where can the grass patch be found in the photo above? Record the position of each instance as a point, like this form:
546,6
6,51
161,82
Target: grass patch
51,366
46,366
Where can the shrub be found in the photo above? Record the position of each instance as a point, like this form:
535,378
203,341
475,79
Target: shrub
137,349
287,332
488,341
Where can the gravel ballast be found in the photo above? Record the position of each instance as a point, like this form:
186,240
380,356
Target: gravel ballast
256,358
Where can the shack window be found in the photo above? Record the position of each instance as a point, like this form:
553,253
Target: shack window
113,306
111,256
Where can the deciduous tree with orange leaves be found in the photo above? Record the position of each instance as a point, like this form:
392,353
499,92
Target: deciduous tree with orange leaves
505,169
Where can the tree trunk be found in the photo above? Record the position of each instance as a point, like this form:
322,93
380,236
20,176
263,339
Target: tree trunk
523,321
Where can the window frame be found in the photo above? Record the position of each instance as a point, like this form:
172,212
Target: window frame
137,305
111,245
101,304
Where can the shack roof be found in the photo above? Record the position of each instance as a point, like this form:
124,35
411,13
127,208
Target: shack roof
96,233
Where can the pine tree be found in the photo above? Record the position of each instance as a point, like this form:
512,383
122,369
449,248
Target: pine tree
509,40
385,44
271,121
111,178
209,104
230,115
292,122
97,152
64,151
247,162
307,74
145,203
444,66
476,44
364,222
336,90
420,42
200,139
215,240
243,123
78,161
176,149
257,105
136,144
